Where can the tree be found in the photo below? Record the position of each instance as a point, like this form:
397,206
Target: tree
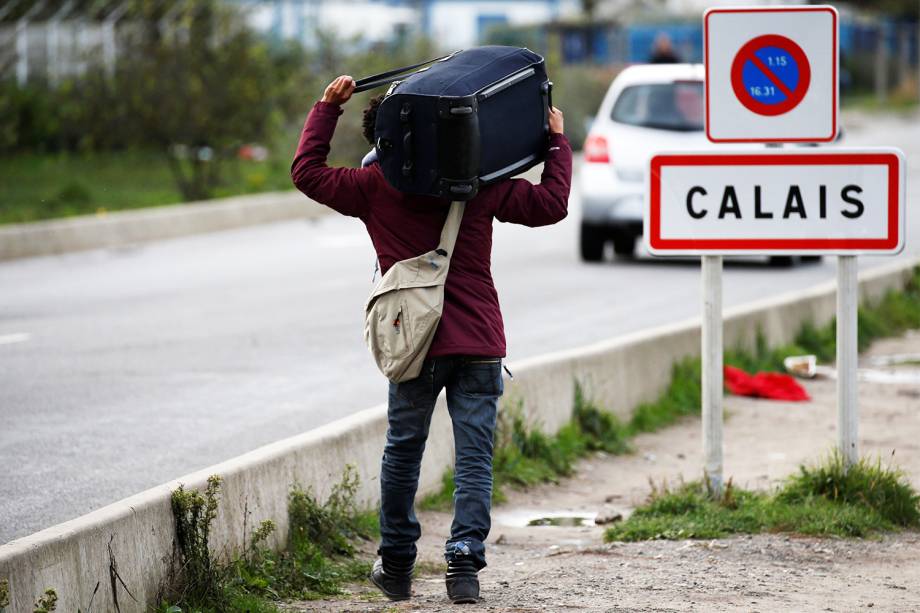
198,86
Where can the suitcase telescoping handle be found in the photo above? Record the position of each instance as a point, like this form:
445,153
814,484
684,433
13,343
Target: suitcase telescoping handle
385,78
548,95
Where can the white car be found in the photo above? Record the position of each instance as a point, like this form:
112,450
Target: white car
648,109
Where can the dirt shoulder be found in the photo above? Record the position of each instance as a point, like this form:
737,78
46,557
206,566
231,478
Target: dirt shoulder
554,568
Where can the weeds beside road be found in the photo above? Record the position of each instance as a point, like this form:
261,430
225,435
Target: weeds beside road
319,556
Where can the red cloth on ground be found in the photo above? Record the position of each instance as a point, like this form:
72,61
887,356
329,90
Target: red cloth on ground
772,385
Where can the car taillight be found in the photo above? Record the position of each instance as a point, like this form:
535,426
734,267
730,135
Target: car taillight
596,149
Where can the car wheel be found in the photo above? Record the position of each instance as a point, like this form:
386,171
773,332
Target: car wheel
592,244
624,246
782,261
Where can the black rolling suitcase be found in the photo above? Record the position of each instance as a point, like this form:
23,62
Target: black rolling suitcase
466,120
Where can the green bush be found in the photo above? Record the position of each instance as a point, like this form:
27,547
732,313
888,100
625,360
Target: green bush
885,491
199,580
320,554
823,500
334,525
600,430
46,603
893,314
682,397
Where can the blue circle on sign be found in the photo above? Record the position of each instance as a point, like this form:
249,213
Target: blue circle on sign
770,75
781,65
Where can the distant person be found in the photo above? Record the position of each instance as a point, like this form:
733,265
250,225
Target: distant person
663,51
469,344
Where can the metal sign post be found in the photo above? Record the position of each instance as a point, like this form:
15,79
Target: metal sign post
712,372
847,354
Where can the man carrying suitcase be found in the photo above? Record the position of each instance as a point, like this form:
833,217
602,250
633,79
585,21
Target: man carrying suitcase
469,344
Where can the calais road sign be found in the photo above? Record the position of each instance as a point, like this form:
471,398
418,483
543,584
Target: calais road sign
771,74
834,202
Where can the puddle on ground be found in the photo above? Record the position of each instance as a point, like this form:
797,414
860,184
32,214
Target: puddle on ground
562,521
899,375
894,368
903,368
523,518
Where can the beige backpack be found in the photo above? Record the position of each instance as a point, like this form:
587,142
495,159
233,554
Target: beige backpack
402,313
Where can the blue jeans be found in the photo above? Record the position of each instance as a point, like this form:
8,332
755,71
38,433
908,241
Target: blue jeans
473,388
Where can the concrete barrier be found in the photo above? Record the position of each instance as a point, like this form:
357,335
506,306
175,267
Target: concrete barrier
76,557
121,228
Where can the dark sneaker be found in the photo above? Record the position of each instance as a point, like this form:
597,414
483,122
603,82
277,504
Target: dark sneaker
462,582
393,580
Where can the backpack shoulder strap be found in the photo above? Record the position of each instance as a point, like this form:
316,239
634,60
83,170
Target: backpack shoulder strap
451,228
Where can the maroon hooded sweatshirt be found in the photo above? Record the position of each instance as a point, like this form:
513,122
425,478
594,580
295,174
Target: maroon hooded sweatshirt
403,226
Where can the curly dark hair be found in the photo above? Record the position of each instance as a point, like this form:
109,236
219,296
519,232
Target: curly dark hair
370,118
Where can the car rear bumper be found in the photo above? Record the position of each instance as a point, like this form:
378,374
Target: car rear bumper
615,228
605,200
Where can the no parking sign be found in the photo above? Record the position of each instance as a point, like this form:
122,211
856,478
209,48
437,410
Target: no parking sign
771,74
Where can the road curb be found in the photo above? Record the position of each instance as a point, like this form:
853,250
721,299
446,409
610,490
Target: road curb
123,228
137,533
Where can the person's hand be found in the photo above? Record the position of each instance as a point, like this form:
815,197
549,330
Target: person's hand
555,121
339,91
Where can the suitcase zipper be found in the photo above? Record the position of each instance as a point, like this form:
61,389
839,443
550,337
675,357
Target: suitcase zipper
506,83
507,169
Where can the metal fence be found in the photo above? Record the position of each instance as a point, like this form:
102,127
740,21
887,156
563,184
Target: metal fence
51,51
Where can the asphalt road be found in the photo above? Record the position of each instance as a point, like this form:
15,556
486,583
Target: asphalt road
122,369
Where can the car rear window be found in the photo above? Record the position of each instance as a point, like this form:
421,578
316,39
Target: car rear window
664,106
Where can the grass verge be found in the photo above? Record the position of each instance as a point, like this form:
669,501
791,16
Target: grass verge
823,500
525,456
44,186
320,555
892,315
